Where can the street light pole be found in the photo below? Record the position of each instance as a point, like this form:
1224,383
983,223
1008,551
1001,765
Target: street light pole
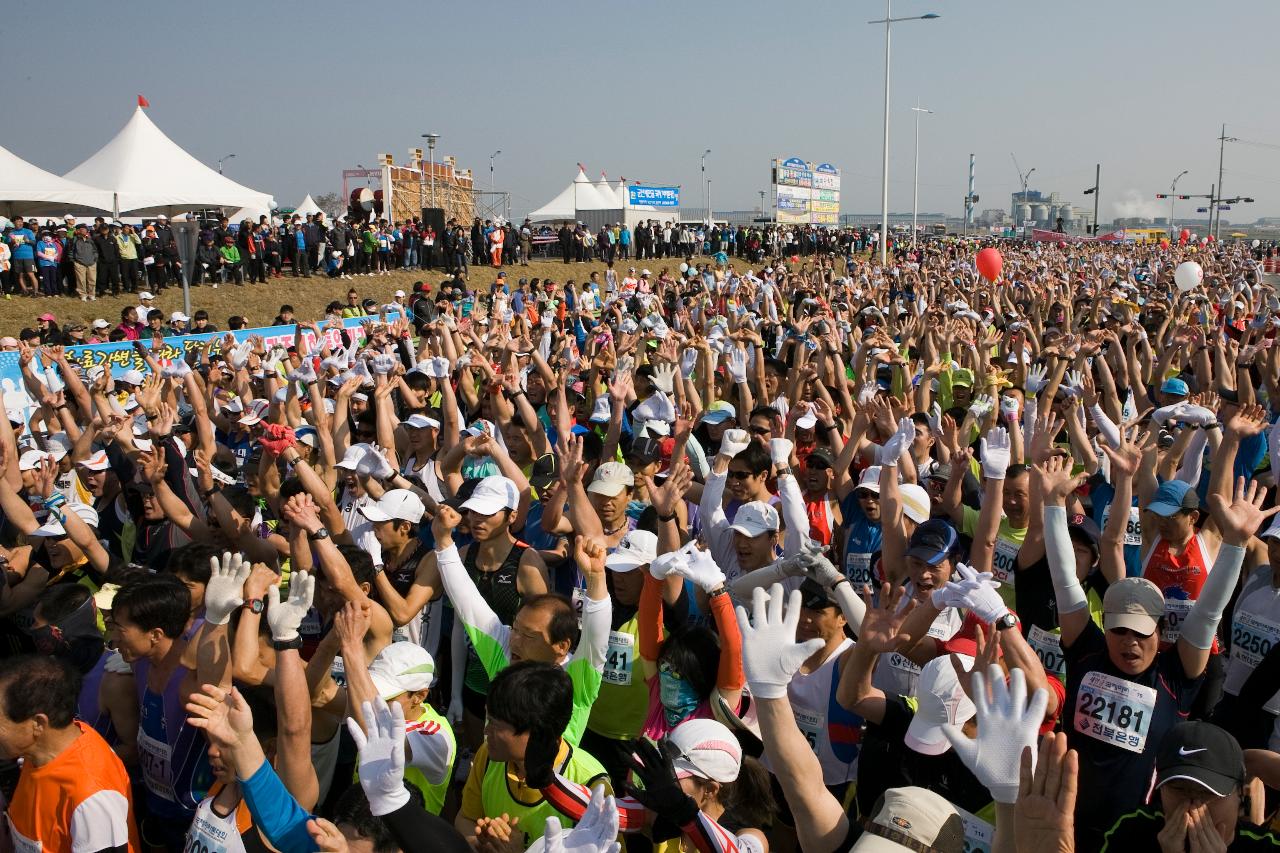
1173,199
1216,206
220,159
431,151
1093,191
884,165
706,188
915,181
491,156
762,192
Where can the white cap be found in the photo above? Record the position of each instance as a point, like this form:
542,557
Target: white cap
755,518
399,293
602,411
915,502
132,376
352,457
31,459
611,478
101,324
59,444
421,422
96,462
402,667
179,317
870,479
1274,530
808,420
493,494
706,749
636,549
941,702
397,505
254,413
146,294
54,528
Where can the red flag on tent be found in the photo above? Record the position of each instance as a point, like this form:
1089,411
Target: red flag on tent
143,102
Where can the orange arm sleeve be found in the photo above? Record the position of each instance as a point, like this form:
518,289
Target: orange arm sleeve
730,675
649,618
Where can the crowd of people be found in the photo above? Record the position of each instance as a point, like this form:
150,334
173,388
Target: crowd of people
794,552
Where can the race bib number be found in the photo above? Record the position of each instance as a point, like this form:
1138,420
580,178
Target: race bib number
1132,527
618,658
1175,610
857,568
22,844
338,671
205,837
1048,647
811,724
978,834
1252,638
154,756
1115,711
579,598
1004,562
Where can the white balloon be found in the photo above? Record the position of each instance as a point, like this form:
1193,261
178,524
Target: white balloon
684,268
1256,243
1188,276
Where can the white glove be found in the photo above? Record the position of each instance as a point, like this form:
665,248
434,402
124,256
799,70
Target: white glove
370,545
1036,378
284,617
664,378
898,444
738,366
548,319
976,591
222,594
935,420
175,369
670,563
381,755
770,653
1007,724
239,356
384,363
273,359
1164,414
701,568
335,363
997,452
734,441
1009,408
1073,384
981,405
867,393
1196,415
374,464
439,367
688,361
306,373
811,564
595,832
780,451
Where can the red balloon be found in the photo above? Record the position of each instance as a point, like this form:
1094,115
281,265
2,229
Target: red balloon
989,264
1062,244
1212,239
1164,243
1184,234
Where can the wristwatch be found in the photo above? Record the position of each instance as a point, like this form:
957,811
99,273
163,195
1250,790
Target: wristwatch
322,533
254,605
1005,622
285,645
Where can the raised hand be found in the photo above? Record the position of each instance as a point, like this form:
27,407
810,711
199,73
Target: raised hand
1007,724
770,654
880,625
284,617
381,755
997,453
1044,814
1056,479
222,594
1242,517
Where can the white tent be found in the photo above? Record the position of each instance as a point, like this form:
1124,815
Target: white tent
28,190
308,206
149,173
580,195
607,193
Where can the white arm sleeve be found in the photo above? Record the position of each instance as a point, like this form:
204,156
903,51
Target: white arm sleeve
1106,427
851,605
1202,622
597,618
1062,561
793,515
471,607
1193,459
431,749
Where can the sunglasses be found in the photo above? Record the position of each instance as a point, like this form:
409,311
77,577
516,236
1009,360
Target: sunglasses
740,475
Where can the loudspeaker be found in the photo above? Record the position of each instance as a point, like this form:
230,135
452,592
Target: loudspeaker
433,216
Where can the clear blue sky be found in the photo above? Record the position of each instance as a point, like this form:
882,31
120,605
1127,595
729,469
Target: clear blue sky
300,91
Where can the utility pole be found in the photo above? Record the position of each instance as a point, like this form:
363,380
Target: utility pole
915,181
969,200
1093,191
1215,223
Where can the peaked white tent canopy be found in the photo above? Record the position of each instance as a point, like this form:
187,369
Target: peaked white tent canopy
581,195
149,173
28,190
308,206
607,193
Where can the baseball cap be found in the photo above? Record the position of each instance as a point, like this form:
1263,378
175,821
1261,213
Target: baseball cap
493,494
813,596
1085,529
636,549
100,324
1202,753
48,317
706,749
545,471
254,413
611,478
932,541
306,435
911,819
1172,497
421,422
755,518
915,502
53,528
1272,531
646,450
352,457
602,411
808,420
402,667
397,505
822,456
719,412
132,376
870,479
31,459
59,444
962,376
1175,386
145,295
1133,603
179,317
941,702
96,461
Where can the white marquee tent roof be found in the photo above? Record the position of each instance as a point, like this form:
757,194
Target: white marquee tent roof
581,194
28,190
308,206
149,173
